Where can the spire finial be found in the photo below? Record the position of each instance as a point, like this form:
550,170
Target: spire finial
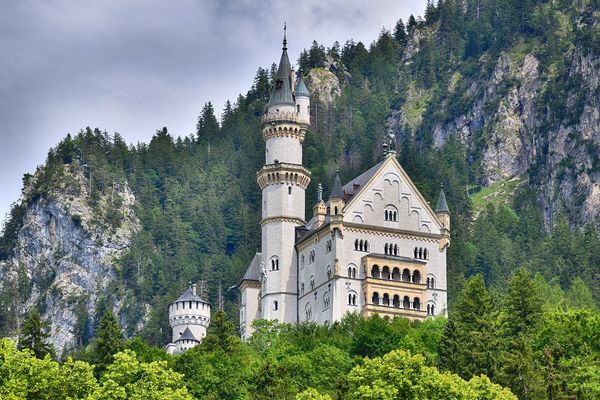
285,36
320,192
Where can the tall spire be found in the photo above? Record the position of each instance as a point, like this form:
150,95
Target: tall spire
284,36
282,90
442,205
336,190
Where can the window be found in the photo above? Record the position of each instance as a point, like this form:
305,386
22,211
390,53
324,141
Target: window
361,245
390,213
302,289
421,253
311,257
416,277
328,246
298,108
352,298
430,282
390,249
308,312
375,272
275,263
328,272
312,282
417,303
289,190
275,305
302,263
375,298
326,301
352,271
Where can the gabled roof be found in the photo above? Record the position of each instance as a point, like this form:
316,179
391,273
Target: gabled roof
442,205
301,89
253,271
187,335
356,184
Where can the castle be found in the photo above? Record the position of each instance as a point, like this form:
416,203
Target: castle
189,317
374,246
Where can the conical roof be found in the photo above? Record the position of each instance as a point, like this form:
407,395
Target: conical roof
336,190
301,89
442,205
187,335
282,89
189,295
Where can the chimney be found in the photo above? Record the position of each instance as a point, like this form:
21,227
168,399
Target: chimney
194,286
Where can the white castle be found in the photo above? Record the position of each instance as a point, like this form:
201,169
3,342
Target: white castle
189,317
375,245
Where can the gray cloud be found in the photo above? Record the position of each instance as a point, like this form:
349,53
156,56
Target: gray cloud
134,66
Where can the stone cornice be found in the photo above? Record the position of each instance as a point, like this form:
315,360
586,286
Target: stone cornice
283,218
293,131
283,174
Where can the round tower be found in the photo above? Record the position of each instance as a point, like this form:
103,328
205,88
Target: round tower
283,180
189,317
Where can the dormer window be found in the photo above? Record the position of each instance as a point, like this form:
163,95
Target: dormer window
278,84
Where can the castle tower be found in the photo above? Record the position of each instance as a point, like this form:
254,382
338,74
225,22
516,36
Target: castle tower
189,317
283,180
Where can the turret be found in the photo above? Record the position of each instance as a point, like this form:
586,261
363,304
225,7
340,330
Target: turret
443,214
302,101
189,317
336,198
320,208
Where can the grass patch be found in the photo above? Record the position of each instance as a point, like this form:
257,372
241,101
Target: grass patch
500,193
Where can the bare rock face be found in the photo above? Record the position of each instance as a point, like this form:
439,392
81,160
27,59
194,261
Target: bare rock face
66,252
323,84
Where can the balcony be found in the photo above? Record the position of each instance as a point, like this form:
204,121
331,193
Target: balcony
283,116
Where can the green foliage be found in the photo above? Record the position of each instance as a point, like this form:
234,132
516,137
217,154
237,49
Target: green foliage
109,341
34,335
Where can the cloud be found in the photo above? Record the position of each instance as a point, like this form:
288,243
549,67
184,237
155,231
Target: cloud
135,66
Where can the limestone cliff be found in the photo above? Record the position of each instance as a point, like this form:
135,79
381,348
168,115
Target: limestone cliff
64,258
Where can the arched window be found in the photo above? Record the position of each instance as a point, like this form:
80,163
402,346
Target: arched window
274,263
396,274
395,249
425,255
375,273
416,252
375,298
386,299
302,289
432,282
428,309
328,246
328,272
352,298
275,305
406,302
395,216
312,282
396,301
361,245
385,249
308,311
416,277
432,309
289,190
352,271
298,108
326,301
356,244
417,303
302,263
311,257
366,245
385,272
386,215
390,213
406,275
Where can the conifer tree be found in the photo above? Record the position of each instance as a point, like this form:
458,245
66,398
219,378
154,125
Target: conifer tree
109,341
221,334
33,335
400,33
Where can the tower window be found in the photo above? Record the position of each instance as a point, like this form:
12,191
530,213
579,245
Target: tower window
298,108
289,190
275,305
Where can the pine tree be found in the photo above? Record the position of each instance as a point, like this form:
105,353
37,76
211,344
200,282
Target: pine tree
33,335
221,334
400,33
109,341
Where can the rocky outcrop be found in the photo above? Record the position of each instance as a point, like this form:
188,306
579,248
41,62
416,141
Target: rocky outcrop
66,250
323,84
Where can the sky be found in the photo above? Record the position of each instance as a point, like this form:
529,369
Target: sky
134,66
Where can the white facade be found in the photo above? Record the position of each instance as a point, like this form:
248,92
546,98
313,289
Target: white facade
189,317
338,261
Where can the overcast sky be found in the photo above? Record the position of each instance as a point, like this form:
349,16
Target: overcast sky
134,66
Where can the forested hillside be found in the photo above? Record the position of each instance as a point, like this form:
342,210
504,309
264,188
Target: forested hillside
495,99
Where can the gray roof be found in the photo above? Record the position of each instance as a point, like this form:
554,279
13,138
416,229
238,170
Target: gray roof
187,335
336,190
282,90
301,89
189,295
442,205
253,271
356,184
